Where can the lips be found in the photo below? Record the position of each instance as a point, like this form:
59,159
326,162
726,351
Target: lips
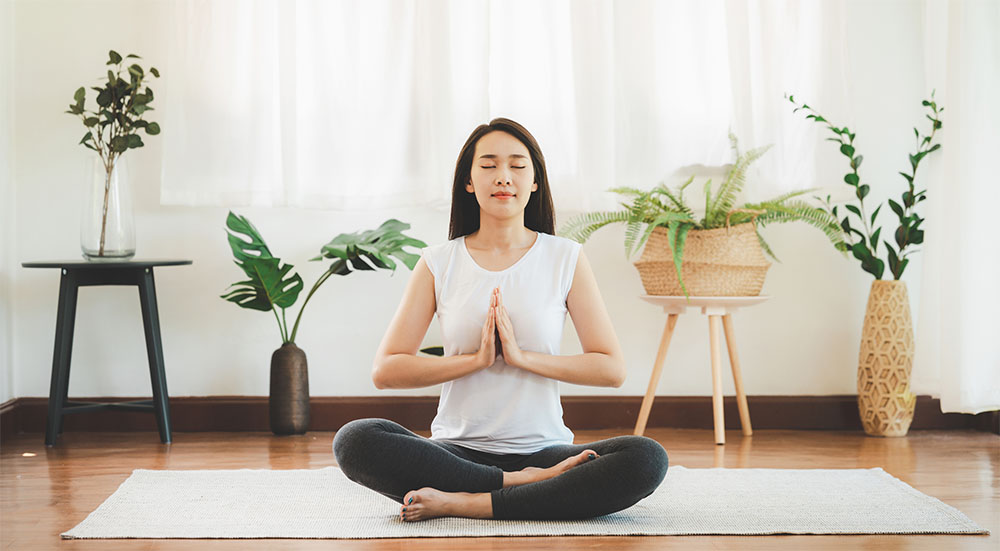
503,195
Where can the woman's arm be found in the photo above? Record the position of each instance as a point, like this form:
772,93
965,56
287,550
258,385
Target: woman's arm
602,362
396,362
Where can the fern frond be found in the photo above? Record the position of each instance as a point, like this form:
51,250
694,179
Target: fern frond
647,208
631,235
662,206
715,214
642,210
610,218
680,194
663,220
804,212
627,191
677,200
580,227
708,202
573,225
677,236
766,247
786,196
680,190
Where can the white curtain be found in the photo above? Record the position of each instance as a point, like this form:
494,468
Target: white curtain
356,104
957,358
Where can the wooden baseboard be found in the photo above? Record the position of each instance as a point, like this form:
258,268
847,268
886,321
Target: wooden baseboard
329,413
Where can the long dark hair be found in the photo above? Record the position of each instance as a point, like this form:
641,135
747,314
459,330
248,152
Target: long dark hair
539,214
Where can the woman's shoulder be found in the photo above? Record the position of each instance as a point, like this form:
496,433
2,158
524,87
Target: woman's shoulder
443,245
438,253
561,243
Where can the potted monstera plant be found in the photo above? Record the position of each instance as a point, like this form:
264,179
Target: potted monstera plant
720,252
885,360
272,286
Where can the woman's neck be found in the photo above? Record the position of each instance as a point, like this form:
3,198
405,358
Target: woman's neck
501,236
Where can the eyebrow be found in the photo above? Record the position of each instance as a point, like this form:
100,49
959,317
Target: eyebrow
491,156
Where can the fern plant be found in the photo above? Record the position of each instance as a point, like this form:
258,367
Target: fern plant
665,207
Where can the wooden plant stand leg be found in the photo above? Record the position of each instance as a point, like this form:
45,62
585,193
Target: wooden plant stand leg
734,361
720,423
654,379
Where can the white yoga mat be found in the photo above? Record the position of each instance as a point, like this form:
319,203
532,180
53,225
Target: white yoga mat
323,503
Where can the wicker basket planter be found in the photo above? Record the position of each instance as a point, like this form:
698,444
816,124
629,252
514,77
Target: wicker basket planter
718,262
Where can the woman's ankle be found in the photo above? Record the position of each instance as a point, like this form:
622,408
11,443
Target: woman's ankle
515,478
478,506
527,476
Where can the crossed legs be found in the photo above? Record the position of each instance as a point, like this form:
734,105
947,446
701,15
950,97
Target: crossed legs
431,478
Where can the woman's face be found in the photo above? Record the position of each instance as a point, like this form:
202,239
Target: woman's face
502,175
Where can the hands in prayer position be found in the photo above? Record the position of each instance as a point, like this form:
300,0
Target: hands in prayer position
498,335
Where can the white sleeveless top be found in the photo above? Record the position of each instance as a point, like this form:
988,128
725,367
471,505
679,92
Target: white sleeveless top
502,409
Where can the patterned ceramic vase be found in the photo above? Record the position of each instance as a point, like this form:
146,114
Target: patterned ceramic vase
884,399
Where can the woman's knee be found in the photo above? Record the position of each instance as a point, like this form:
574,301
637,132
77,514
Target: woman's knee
651,462
354,438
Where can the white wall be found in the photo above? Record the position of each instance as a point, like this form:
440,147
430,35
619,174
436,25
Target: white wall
7,207
804,341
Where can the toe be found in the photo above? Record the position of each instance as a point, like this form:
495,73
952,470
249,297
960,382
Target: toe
583,457
412,513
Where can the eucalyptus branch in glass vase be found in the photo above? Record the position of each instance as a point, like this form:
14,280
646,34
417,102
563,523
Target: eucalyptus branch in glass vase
113,127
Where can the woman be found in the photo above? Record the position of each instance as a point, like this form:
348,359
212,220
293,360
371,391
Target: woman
501,287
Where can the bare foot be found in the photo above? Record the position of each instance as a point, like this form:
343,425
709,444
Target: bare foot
427,503
528,475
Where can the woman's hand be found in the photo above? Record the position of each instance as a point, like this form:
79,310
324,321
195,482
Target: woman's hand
487,353
512,354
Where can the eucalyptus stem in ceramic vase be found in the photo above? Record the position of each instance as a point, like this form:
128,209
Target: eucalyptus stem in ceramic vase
885,403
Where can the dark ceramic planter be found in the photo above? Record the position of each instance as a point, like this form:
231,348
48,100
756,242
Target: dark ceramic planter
288,404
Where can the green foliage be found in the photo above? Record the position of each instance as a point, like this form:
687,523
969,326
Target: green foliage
863,241
270,286
113,128
665,207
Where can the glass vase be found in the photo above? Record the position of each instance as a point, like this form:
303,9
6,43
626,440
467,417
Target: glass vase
107,227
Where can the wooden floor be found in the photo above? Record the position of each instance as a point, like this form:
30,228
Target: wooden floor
50,492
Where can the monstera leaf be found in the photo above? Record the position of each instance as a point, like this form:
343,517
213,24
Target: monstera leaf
267,287
375,246
243,249
269,284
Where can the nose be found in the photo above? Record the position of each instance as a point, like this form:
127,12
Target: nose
503,177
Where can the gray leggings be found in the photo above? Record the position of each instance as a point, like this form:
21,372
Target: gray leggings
387,458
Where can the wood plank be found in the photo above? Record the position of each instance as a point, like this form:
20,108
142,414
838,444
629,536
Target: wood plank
44,495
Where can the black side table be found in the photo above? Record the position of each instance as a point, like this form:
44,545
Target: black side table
78,273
